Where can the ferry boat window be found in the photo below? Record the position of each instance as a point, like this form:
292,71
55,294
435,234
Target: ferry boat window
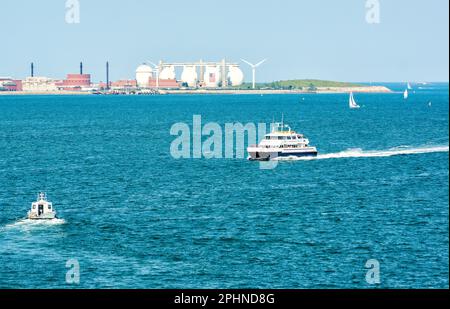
49,207
34,206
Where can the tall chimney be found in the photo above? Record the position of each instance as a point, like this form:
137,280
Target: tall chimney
107,75
81,68
32,69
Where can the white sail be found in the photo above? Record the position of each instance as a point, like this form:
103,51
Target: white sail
351,102
405,94
409,86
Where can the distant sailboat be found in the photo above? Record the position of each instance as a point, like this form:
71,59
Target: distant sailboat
352,103
408,85
405,94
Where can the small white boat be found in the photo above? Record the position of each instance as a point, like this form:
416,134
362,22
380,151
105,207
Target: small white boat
405,94
408,86
352,103
42,209
281,143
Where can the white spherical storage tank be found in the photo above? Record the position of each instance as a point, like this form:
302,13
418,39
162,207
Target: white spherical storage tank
143,74
189,76
235,76
168,73
212,76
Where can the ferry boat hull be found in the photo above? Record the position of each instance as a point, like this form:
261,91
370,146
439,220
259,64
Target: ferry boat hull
259,154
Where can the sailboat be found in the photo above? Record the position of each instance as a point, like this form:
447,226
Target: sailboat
352,103
405,94
408,85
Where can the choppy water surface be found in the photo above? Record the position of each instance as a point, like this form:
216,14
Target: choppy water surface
134,217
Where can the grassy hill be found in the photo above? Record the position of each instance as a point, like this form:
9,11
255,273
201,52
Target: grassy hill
303,84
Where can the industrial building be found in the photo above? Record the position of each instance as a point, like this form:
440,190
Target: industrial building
123,84
164,75
75,82
39,84
9,84
194,75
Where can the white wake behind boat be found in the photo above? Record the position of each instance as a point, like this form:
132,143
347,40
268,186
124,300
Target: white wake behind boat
281,143
352,103
42,209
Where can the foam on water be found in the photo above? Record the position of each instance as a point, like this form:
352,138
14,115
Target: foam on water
359,153
25,223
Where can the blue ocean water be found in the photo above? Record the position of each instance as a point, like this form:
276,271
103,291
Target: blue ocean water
134,217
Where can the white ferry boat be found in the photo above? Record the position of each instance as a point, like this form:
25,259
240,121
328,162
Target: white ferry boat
281,143
42,209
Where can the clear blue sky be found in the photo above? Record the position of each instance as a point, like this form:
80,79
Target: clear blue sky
324,39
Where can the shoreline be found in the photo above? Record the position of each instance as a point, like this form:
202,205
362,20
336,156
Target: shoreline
319,90
24,93
325,90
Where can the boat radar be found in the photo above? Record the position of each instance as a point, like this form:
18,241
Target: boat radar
42,209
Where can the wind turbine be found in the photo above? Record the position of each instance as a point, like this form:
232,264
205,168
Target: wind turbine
156,67
254,66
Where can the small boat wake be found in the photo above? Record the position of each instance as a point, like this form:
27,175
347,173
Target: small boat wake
29,223
359,153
